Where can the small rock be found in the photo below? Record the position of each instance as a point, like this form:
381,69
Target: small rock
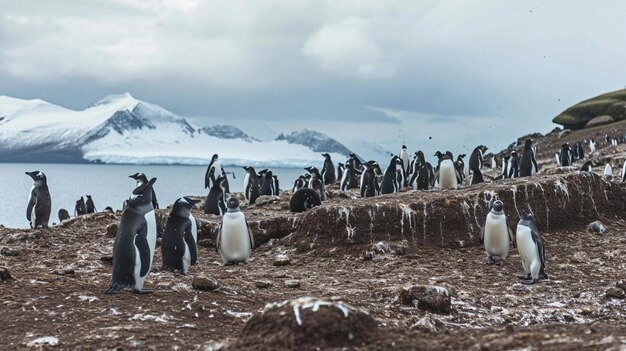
266,199
621,284
292,283
5,251
281,260
400,248
614,293
66,271
46,340
263,284
107,259
4,274
596,227
204,283
112,230
429,298
426,324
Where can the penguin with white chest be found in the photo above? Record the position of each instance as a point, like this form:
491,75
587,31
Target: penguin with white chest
178,246
531,250
390,183
447,177
496,234
234,240
133,250
251,186
39,204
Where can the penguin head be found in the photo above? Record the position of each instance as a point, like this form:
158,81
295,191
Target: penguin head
139,177
182,206
88,197
214,158
352,155
326,155
38,177
142,194
232,204
448,155
498,206
527,215
438,154
461,156
312,170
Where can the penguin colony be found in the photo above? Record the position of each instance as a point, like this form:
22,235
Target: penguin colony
135,242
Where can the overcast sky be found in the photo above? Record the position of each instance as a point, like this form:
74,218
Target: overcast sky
462,72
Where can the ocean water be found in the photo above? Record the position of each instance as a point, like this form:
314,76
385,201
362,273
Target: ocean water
109,185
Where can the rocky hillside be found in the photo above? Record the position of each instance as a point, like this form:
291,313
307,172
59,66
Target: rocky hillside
604,108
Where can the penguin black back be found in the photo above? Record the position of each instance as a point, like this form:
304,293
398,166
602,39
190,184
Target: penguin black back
216,199
80,208
39,205
91,207
178,238
528,163
267,185
252,188
328,170
63,215
304,199
389,184
316,183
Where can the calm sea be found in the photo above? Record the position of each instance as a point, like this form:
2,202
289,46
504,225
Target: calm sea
109,185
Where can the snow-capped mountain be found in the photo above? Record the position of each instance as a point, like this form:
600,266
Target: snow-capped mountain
122,129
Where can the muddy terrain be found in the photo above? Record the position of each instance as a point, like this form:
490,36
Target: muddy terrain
401,271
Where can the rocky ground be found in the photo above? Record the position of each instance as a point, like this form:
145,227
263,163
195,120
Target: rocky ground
401,271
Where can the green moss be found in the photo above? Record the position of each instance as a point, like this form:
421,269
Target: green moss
612,104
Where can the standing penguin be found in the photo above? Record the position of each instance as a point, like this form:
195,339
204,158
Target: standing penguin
91,207
460,165
421,180
477,177
142,179
213,171
39,204
531,250
349,179
63,215
340,170
369,184
390,184
476,158
494,162
608,171
447,177
133,250
528,163
304,199
80,208
299,183
592,146
505,166
580,150
404,157
623,175
276,185
251,187
328,170
565,156
216,199
235,240
178,245
355,162
496,234
586,167
514,165
316,183
267,182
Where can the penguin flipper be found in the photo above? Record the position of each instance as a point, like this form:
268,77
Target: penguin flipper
141,242
250,235
511,234
218,240
481,239
191,243
29,209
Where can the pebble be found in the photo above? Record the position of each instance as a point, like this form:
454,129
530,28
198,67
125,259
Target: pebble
292,283
4,274
204,283
428,298
281,260
614,293
5,251
66,271
46,340
263,284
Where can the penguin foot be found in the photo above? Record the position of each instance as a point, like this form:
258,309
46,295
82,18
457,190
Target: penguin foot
490,260
143,291
524,277
500,263
529,281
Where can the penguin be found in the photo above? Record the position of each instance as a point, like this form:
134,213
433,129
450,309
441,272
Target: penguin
216,199
300,183
303,200
494,162
592,146
108,209
276,185
389,184
505,167
251,187
404,157
91,208
369,184
39,204
477,177
460,165
586,167
531,249
565,156
225,184
355,162
142,179
133,250
316,183
513,165
528,163
349,179
400,176
447,176
557,155
608,172
623,175
328,170
476,158
63,215
234,240
80,208
496,234
422,178
213,171
607,138
178,245
580,150
614,141
267,182
340,170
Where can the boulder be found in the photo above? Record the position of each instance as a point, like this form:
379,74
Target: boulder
427,298
204,283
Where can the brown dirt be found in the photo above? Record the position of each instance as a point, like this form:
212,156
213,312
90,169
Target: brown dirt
343,251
